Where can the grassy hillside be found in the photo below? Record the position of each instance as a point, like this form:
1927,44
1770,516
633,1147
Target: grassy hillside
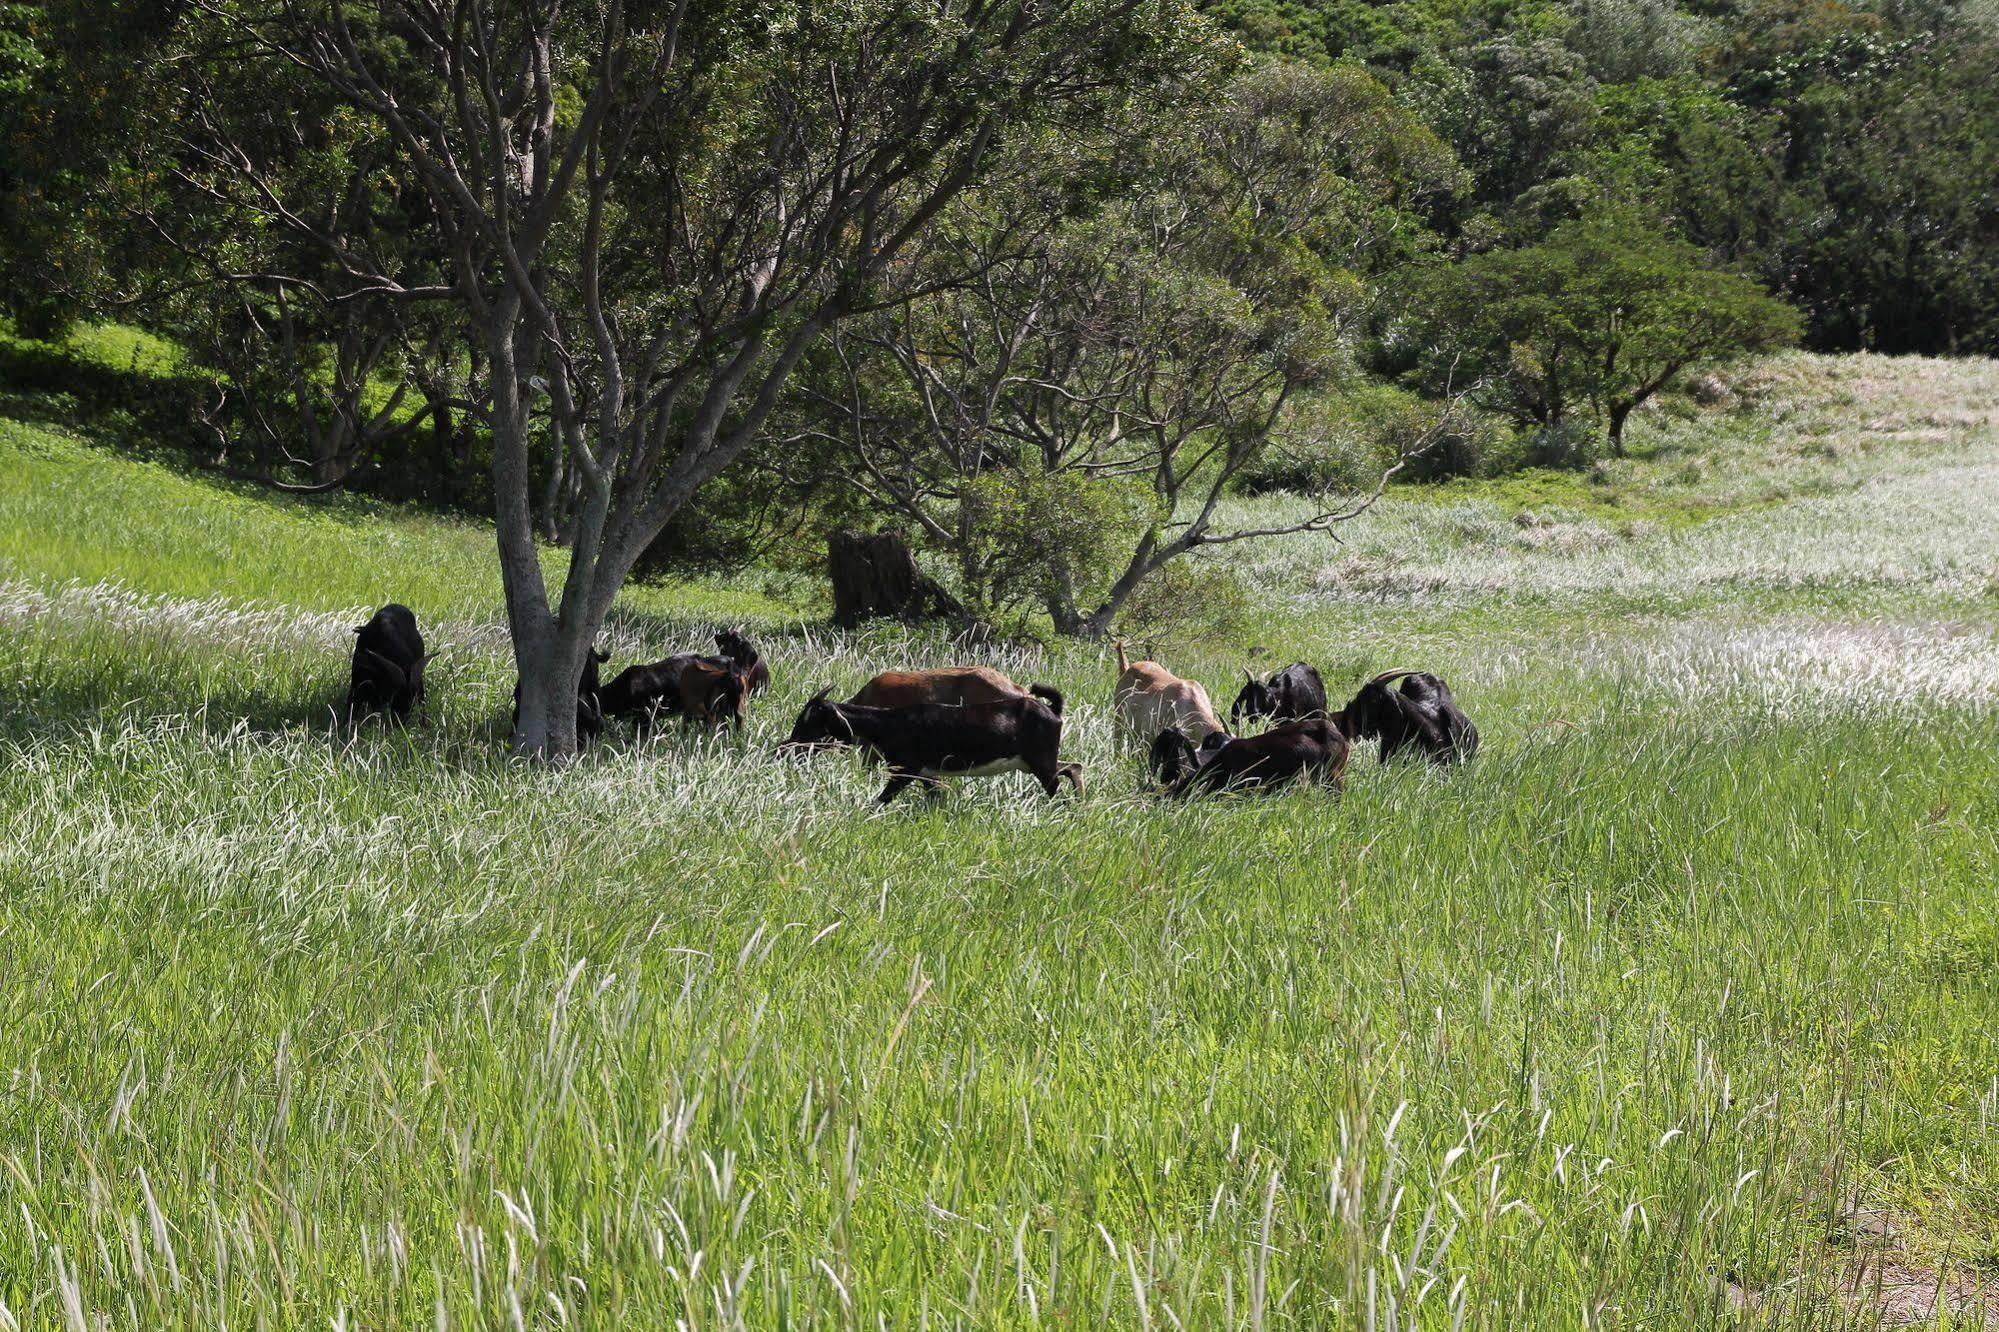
1682,1000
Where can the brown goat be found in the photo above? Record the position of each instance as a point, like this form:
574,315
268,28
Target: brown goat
714,694
958,686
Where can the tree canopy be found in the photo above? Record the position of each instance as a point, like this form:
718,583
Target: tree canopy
1600,316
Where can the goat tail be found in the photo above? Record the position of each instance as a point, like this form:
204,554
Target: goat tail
1122,664
1048,694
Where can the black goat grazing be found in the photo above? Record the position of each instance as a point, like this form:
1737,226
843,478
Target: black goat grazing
589,692
731,644
1174,755
1292,694
1422,714
926,741
388,664
642,694
1313,748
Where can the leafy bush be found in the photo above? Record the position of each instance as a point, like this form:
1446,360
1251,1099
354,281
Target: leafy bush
1189,600
1033,537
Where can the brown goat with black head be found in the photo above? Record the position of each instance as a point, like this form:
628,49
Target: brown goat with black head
929,741
714,693
1421,715
957,685
714,690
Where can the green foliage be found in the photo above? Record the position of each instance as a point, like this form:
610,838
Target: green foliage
1191,601
1602,316
1105,379
1842,152
1341,440
1622,41
1032,538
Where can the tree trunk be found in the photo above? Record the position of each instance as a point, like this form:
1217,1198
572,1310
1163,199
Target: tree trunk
875,577
548,649
1618,413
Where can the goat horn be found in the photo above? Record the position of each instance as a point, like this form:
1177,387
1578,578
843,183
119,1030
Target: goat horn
820,697
401,676
1386,676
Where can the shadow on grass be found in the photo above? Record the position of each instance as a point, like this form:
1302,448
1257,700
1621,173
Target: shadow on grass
152,416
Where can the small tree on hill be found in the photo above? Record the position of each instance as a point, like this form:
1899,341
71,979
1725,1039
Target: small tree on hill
1600,316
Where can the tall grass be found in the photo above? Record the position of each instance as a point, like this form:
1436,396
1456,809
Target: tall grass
1631,1023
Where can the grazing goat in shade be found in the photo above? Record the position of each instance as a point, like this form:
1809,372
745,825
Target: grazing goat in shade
956,685
641,693
1174,755
1300,750
928,741
732,646
589,700
714,693
387,672
1422,714
1151,698
1292,694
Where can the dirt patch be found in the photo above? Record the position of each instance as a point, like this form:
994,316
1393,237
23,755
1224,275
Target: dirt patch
1901,1295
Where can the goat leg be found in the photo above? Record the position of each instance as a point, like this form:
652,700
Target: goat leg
899,781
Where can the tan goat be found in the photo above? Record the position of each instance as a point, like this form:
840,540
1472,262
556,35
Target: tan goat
1151,698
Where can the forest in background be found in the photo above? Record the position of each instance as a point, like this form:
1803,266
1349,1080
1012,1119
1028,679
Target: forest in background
1310,247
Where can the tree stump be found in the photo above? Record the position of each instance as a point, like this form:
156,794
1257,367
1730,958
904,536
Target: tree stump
875,577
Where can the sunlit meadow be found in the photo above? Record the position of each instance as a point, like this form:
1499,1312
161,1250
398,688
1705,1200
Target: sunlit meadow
1679,1008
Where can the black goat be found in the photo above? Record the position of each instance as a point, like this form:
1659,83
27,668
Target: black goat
1422,714
1292,694
731,644
644,693
1313,748
699,688
1174,754
927,741
589,692
388,664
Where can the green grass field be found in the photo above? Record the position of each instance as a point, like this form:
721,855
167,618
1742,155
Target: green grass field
1678,1009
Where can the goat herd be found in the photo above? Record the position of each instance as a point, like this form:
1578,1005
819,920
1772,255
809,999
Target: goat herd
972,721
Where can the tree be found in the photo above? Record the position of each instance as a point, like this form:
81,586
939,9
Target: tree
1603,315
315,370
1068,422
67,93
1891,229
652,211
